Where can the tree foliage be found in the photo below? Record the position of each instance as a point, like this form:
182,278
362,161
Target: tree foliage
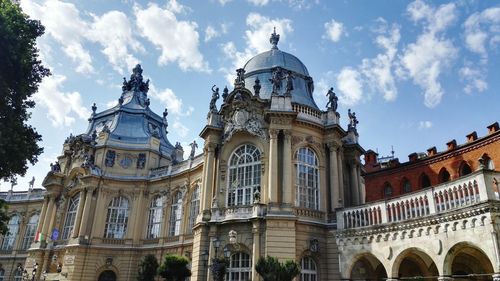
4,218
174,268
20,73
147,268
270,269
219,268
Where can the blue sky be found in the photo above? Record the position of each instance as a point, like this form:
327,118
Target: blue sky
417,73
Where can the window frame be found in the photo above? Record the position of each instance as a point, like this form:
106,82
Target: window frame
194,209
116,228
9,240
241,271
70,218
307,194
248,172
30,232
175,220
308,274
155,216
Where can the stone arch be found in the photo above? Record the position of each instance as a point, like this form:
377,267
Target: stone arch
366,266
107,274
443,175
465,258
424,180
414,262
464,169
405,186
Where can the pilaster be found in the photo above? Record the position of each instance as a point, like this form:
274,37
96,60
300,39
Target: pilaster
273,166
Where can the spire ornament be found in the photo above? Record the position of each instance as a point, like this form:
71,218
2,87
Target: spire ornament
274,39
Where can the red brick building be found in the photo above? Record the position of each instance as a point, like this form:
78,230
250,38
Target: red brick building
390,178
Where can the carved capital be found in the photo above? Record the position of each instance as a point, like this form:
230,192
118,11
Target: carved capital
210,147
273,133
288,135
333,146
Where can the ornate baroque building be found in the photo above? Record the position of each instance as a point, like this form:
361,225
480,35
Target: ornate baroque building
278,176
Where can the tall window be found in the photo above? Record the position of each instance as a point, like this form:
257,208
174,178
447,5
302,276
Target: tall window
308,270
69,221
195,208
424,181
154,221
240,267
29,234
387,190
307,181
406,186
444,175
244,175
117,218
2,274
10,238
176,215
464,169
18,276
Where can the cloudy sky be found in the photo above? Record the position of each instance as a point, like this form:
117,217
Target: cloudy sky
417,74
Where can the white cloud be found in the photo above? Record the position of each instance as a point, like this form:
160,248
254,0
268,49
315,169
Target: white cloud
63,23
333,30
176,7
424,60
61,106
177,40
224,2
473,78
350,86
210,33
259,2
257,41
171,101
180,129
116,41
379,70
424,125
477,33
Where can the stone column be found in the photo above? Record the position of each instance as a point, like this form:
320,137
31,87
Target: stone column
48,216
137,224
52,218
272,184
79,212
354,184
340,166
360,186
256,249
101,210
82,231
287,169
206,191
334,177
42,214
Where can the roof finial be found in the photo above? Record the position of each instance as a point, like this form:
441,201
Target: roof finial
274,39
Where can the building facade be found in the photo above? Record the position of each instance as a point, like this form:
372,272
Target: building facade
278,176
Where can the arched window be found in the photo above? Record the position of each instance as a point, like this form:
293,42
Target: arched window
240,267
244,175
488,162
29,234
307,179
10,237
175,215
406,186
387,190
18,275
424,180
154,220
117,218
69,221
308,271
195,208
464,169
2,274
444,175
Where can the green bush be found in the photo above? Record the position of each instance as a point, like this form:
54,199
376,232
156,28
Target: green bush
270,269
174,268
147,268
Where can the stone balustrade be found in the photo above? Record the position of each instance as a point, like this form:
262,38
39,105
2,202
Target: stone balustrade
465,191
18,196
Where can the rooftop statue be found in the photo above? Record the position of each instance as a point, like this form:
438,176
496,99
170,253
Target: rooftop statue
332,100
353,119
256,87
240,78
31,183
215,97
289,82
276,80
194,146
136,83
275,38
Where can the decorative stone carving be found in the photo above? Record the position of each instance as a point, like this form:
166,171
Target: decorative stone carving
233,236
110,158
193,146
154,130
332,100
53,168
276,80
141,161
314,245
126,161
215,97
244,120
353,120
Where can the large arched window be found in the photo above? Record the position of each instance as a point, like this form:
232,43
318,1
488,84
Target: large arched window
244,175
464,169
387,190
307,179
29,234
69,221
424,180
10,238
117,218
444,175
175,215
154,220
308,271
240,267
405,186
195,207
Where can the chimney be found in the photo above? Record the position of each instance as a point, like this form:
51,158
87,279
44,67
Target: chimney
413,157
432,151
371,157
451,144
471,137
394,162
492,128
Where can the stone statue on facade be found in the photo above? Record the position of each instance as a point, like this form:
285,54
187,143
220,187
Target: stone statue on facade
276,81
215,97
141,161
332,100
193,146
225,93
353,120
256,87
13,182
289,82
110,158
55,167
31,183
240,78
89,161
256,195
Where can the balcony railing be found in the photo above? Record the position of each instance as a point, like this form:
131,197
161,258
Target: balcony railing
465,191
